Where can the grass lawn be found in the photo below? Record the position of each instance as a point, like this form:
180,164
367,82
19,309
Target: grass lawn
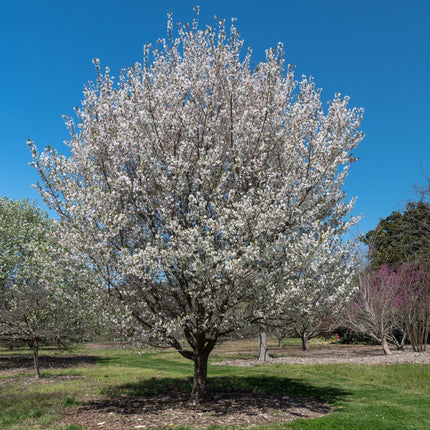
373,397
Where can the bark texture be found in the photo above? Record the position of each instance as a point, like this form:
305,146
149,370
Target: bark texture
35,348
200,378
263,354
305,341
386,347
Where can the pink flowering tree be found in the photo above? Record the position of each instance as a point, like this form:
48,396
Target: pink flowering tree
197,183
375,308
413,303
392,305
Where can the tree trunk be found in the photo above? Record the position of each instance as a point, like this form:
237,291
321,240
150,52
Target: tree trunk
35,348
418,336
385,347
263,355
201,348
400,344
305,341
200,378
426,334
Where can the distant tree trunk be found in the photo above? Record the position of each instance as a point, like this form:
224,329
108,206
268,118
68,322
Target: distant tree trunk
400,344
305,341
385,346
280,335
418,333
35,348
263,355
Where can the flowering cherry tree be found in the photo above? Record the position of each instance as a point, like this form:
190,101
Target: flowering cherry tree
312,301
41,294
197,183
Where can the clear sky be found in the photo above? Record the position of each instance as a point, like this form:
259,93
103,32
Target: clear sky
375,51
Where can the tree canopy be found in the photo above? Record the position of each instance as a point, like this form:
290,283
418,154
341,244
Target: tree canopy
22,232
402,237
41,299
200,186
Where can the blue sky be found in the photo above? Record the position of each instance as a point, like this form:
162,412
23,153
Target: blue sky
377,52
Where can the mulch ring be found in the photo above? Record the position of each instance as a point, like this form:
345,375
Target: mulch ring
174,410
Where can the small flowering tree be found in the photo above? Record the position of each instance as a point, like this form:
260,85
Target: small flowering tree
413,303
41,296
375,309
393,305
195,185
319,292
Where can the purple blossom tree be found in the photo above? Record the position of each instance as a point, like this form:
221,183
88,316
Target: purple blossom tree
393,303
413,303
375,307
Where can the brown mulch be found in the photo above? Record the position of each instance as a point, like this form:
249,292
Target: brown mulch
170,411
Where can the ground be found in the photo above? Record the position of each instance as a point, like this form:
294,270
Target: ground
171,410
238,408
335,353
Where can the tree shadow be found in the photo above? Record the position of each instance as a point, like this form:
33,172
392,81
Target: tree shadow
225,395
10,362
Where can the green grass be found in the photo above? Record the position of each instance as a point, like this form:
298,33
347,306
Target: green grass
362,397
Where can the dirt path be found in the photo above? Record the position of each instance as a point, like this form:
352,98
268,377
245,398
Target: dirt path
358,354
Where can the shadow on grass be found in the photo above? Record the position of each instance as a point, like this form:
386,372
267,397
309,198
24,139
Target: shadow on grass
225,395
228,384
9,362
